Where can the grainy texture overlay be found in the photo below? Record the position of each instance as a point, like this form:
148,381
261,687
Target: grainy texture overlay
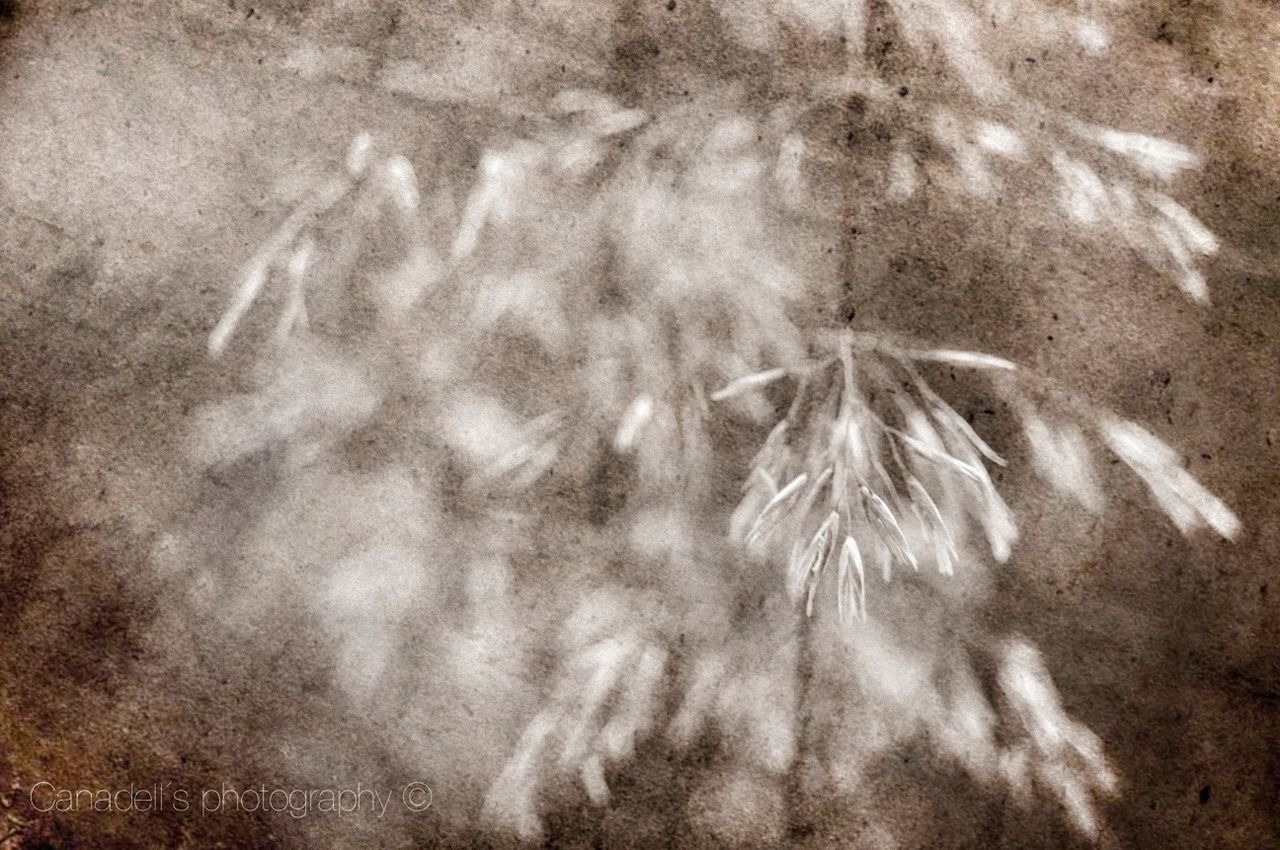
809,423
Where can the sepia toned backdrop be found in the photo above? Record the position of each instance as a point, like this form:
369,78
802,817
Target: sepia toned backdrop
148,149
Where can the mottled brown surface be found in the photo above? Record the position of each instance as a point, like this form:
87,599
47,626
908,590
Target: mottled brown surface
139,148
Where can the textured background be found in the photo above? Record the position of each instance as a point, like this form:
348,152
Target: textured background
144,152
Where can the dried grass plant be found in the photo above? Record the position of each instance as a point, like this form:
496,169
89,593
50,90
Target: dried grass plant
581,419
